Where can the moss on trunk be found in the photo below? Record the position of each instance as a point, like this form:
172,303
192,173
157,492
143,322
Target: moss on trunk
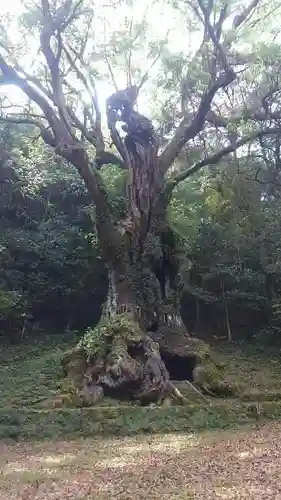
118,360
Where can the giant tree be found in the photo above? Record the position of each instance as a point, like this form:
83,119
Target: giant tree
213,102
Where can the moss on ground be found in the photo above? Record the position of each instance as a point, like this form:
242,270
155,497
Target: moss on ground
30,376
130,420
256,370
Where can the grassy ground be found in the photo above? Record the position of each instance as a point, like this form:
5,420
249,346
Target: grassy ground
255,368
31,373
217,465
171,454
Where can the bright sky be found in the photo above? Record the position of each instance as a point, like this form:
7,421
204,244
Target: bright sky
164,17
164,20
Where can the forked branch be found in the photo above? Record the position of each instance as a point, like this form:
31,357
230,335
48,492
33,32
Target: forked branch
217,157
190,128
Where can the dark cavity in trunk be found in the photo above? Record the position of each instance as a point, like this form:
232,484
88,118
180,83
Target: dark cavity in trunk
179,367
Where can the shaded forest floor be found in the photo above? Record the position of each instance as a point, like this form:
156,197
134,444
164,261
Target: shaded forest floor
217,465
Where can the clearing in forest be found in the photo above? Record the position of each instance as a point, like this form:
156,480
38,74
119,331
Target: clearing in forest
217,465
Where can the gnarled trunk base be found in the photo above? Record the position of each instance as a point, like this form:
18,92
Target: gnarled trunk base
118,360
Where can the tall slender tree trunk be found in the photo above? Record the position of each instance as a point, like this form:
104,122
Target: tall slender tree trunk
225,308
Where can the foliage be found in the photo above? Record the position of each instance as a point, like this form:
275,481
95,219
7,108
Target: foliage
51,263
224,220
31,373
96,340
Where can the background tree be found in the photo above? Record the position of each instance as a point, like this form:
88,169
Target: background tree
52,268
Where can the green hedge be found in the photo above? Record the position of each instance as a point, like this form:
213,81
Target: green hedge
121,421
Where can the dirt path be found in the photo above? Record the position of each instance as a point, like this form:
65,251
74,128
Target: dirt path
220,465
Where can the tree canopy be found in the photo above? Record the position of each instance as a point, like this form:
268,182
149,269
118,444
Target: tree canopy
206,80
215,95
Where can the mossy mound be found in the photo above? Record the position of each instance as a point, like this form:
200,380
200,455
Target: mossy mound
116,359
207,374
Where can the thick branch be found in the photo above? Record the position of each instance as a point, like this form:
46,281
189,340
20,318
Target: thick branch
107,158
51,27
188,130
241,18
109,236
247,114
91,89
34,80
215,158
46,134
11,76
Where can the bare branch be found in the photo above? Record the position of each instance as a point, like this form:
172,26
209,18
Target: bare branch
10,76
54,26
222,17
110,70
95,135
157,57
243,16
21,71
129,73
215,158
35,81
188,129
108,61
211,32
64,15
92,92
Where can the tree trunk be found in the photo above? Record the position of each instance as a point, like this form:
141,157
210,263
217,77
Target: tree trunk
125,361
225,308
124,356
121,357
197,312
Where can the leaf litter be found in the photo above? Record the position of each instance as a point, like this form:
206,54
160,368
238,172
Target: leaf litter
245,464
